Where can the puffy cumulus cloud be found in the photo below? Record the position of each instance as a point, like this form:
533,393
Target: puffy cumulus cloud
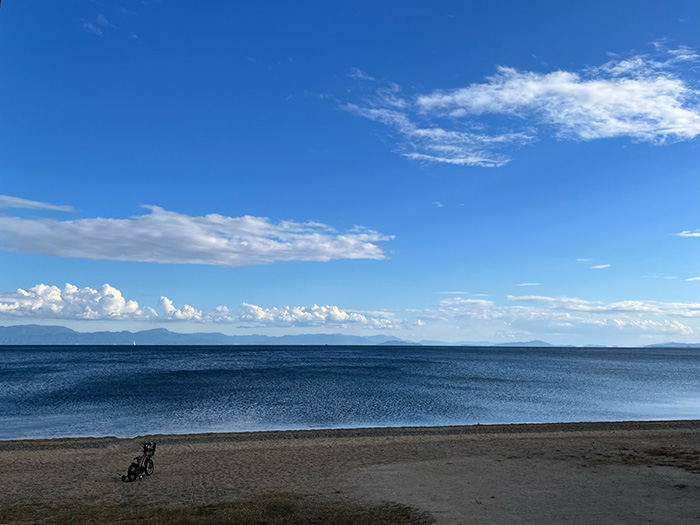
168,237
106,302
644,97
71,302
186,313
314,316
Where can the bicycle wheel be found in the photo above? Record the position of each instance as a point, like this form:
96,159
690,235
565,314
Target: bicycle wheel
132,473
149,466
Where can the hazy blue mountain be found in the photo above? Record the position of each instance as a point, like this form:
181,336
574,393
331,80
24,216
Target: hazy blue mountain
427,342
531,344
674,345
60,335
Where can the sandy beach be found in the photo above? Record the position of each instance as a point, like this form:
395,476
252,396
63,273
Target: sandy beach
621,472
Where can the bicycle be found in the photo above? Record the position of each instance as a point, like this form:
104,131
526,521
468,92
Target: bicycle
142,464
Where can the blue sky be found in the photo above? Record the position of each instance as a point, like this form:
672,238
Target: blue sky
457,171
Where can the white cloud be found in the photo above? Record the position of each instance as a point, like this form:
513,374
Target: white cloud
642,97
529,284
186,313
623,98
542,317
435,144
566,317
475,308
167,237
574,304
17,202
600,266
693,279
359,74
439,204
584,260
71,302
688,233
107,303
254,315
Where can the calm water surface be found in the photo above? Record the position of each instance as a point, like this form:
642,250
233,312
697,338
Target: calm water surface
128,391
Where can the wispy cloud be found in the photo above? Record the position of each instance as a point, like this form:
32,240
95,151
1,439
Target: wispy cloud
17,202
688,233
575,304
529,284
432,143
643,97
168,237
584,260
359,74
600,266
566,315
693,279
97,25
439,204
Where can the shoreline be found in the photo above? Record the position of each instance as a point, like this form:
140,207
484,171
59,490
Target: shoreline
477,428
611,472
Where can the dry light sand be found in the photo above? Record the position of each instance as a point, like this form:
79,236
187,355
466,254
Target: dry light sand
632,472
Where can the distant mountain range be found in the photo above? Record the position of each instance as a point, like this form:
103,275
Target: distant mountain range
60,335
674,345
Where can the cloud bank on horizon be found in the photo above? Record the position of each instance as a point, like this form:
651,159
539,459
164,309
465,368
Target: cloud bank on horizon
556,315
106,302
565,317
167,237
643,97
